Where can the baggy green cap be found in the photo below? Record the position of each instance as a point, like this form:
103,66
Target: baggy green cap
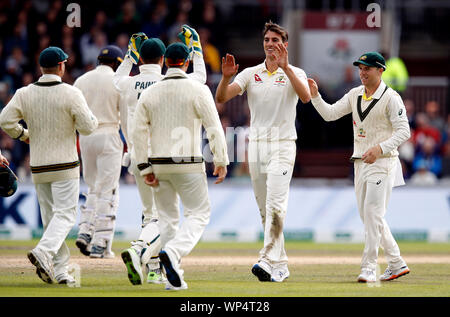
52,56
152,48
373,59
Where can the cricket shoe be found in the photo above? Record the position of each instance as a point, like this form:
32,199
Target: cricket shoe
367,276
156,276
280,274
43,264
133,263
65,278
97,252
173,273
262,271
170,287
390,275
82,243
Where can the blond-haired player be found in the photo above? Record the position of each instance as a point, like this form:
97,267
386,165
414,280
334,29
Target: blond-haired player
380,125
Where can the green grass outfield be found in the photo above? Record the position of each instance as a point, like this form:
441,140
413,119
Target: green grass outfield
317,270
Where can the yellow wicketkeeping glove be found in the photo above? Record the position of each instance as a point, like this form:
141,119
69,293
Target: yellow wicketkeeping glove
190,37
134,46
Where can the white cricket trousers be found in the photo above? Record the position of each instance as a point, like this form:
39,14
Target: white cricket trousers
146,194
58,203
271,165
101,154
193,192
373,188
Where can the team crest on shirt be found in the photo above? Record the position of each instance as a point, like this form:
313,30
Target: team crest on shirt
257,79
280,81
361,133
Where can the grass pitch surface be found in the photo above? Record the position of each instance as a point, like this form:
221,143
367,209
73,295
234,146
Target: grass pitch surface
223,270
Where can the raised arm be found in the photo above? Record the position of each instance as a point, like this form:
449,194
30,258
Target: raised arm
122,74
225,91
300,86
327,111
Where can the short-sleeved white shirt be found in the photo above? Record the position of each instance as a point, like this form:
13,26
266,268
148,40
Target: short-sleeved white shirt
272,101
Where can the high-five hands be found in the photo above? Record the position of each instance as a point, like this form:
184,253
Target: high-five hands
229,66
313,88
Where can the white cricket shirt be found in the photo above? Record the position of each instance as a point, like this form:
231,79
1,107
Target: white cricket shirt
272,101
380,120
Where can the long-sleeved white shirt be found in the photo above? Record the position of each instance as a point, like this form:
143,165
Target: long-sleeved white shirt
53,112
171,114
385,123
102,97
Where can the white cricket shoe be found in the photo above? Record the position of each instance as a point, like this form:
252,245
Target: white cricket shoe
156,276
133,263
43,264
367,276
263,271
391,274
280,274
65,278
173,272
170,287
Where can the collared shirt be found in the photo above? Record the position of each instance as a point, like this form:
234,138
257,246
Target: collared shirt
49,78
272,102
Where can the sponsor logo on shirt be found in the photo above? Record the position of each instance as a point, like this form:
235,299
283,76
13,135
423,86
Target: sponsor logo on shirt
257,79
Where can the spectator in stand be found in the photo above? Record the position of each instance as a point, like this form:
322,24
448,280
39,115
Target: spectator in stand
122,42
424,130
423,177
155,25
128,20
433,109
410,112
210,53
91,48
428,156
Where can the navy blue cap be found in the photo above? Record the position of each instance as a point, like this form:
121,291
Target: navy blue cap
52,56
176,54
111,52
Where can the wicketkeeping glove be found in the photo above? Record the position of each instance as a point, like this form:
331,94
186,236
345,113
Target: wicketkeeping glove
190,37
134,46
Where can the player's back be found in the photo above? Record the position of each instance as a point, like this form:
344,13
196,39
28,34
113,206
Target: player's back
101,96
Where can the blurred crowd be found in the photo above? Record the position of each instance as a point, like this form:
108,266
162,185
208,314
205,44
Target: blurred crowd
29,26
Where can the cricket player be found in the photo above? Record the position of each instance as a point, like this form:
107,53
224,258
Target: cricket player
145,250
170,115
273,89
101,154
54,112
380,125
